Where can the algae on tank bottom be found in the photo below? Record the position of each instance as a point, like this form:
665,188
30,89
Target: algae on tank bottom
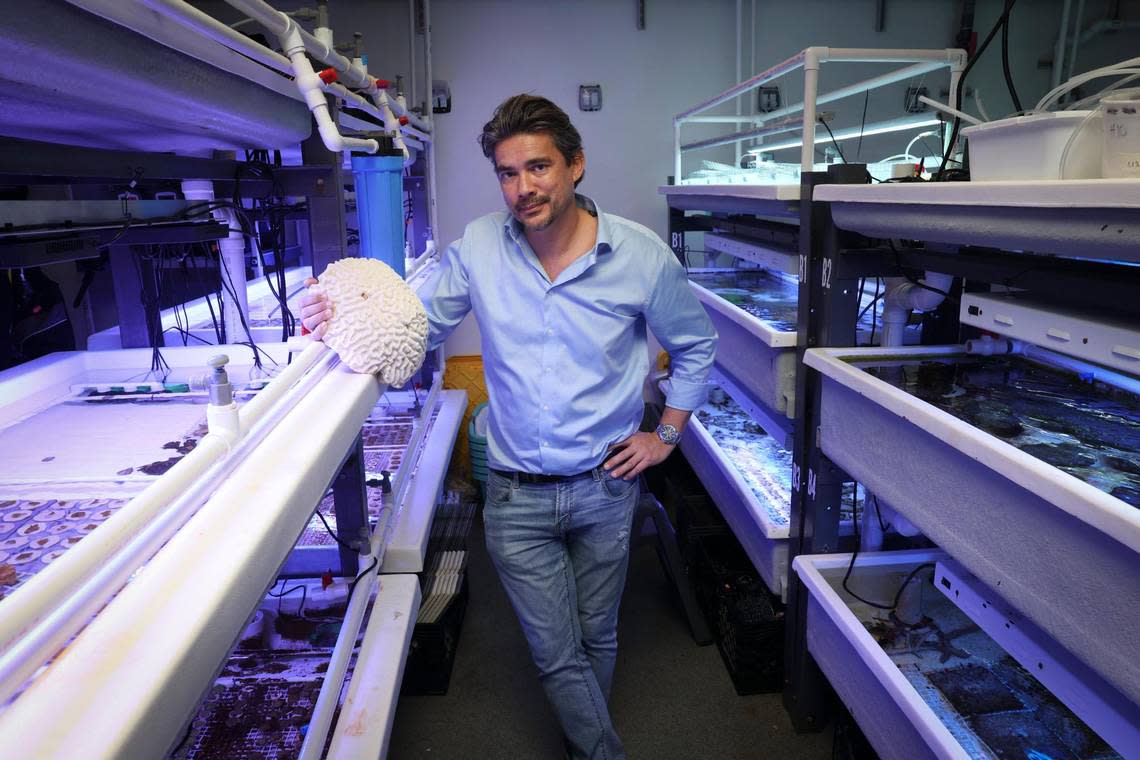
1090,431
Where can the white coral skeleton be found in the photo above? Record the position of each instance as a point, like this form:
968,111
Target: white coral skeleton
378,325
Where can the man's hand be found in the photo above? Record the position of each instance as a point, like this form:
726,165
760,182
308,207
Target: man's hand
316,311
633,455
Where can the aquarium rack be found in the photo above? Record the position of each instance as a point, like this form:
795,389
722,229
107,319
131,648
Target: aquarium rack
1071,246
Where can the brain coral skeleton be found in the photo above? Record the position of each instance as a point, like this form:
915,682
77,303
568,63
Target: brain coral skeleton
378,324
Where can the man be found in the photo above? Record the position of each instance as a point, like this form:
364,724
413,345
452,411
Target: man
563,294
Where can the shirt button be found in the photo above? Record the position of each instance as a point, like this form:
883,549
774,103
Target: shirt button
542,443
546,407
546,369
549,331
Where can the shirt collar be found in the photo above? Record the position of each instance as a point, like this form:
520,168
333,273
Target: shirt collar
604,241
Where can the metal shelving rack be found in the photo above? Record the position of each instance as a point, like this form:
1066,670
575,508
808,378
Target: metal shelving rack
1070,242
1073,244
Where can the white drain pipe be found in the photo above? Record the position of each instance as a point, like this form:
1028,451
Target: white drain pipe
989,346
43,614
310,85
904,295
208,26
352,74
235,305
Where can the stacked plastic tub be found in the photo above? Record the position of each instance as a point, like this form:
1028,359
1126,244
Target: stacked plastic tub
477,442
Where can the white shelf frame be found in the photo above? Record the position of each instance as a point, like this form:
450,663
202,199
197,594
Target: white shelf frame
920,62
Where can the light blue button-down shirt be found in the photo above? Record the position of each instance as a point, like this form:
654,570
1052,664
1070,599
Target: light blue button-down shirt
565,360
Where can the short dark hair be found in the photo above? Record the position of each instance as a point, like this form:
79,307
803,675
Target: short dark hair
528,114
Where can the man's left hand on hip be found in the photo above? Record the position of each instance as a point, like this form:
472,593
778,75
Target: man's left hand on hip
631,457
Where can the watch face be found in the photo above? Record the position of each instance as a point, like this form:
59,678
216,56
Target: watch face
668,434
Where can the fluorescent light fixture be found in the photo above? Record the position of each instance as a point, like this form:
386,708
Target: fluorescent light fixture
878,128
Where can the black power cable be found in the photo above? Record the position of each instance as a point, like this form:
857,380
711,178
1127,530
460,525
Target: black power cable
334,535
855,554
962,86
833,140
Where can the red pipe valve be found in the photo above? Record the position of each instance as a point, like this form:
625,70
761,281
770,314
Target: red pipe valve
328,76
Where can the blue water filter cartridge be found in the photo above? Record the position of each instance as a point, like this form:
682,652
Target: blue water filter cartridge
379,206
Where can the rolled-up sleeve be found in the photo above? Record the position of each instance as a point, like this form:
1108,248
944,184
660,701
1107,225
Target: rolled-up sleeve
446,296
680,324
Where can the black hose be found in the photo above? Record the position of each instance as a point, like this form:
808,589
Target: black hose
962,86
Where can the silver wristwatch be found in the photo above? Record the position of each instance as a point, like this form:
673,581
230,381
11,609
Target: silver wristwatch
668,435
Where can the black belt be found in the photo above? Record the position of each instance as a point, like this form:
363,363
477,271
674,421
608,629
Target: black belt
538,477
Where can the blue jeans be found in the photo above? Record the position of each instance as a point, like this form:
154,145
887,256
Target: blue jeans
562,550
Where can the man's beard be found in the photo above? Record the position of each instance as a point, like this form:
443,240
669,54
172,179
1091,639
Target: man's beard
537,226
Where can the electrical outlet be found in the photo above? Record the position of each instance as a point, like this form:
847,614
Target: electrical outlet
590,97
767,99
911,103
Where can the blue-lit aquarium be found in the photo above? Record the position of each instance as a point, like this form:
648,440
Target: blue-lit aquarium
1089,430
922,679
991,705
763,464
769,296
773,297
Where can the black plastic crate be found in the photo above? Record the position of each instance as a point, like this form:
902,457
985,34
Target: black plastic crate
719,558
746,618
431,655
749,628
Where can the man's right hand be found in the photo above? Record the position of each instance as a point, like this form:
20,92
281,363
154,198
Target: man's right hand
316,311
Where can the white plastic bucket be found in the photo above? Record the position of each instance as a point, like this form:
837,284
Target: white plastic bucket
1120,156
1032,147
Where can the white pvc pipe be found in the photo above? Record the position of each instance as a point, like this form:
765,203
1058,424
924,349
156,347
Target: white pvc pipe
129,680
778,70
235,305
989,346
392,124
811,92
433,212
208,26
771,129
365,723
47,630
412,49
871,83
310,86
53,605
903,296
252,412
353,75
887,55
676,152
739,69
950,110
1117,379
321,720
943,57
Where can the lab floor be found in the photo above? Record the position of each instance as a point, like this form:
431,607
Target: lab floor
672,699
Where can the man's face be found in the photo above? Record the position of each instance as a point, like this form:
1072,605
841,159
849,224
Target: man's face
537,183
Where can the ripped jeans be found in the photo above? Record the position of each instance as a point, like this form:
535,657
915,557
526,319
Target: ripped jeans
562,550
